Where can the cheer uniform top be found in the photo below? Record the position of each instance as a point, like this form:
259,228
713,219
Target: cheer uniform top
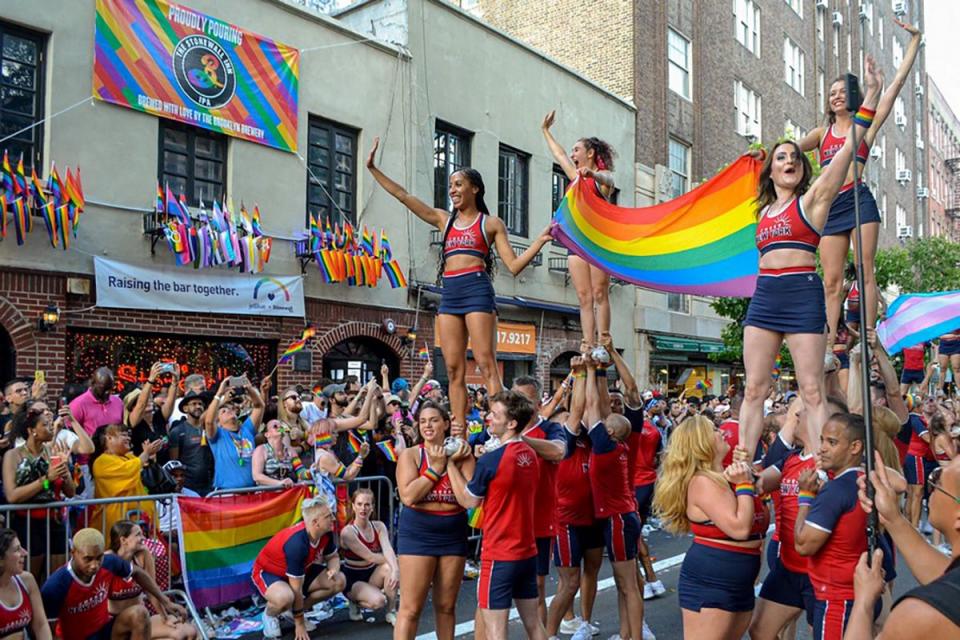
577,530
919,461
81,607
434,533
853,303
18,617
545,516
614,501
831,144
467,241
469,289
842,217
355,568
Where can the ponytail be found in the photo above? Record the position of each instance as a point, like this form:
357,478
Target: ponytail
603,153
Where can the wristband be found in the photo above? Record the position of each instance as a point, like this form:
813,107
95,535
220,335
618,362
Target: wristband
805,498
46,484
745,489
601,373
864,117
431,475
581,375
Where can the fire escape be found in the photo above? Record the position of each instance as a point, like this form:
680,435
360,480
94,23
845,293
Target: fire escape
953,190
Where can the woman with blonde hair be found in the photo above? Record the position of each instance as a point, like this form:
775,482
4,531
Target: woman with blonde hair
694,495
886,426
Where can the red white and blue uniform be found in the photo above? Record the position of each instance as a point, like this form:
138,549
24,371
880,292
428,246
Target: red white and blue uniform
355,568
577,529
432,532
645,443
291,554
788,300
545,506
920,461
913,364
613,499
508,554
18,617
730,430
841,218
81,607
950,343
469,289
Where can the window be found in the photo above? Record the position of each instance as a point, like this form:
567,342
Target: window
901,217
880,33
899,114
867,7
679,168
836,44
451,152
332,175
821,22
897,53
560,182
900,160
883,150
21,94
797,6
679,302
883,210
793,60
193,162
747,108
821,100
747,25
678,55
512,194
793,130
849,51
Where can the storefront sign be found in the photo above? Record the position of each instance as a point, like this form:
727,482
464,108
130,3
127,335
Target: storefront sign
128,286
176,63
511,338
684,344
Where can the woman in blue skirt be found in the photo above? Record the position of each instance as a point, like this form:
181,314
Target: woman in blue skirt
467,305
788,303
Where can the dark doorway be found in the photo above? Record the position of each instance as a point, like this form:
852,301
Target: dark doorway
8,357
361,357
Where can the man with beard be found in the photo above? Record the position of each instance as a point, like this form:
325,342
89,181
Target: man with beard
188,444
231,441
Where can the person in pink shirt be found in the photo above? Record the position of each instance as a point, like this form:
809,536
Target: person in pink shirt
98,406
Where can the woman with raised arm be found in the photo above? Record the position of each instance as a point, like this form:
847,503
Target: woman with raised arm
788,303
591,159
835,244
467,303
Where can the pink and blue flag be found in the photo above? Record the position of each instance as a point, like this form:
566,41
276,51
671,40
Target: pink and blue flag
914,318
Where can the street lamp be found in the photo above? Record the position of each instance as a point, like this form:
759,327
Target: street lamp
49,318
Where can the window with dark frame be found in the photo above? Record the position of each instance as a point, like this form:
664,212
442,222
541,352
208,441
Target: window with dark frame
512,193
451,152
193,162
22,58
332,162
560,182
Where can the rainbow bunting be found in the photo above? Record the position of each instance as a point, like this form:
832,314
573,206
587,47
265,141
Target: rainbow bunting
255,221
20,179
8,187
49,220
915,318
386,447
386,252
62,220
700,243
158,204
3,215
221,537
395,274
21,217
353,442
39,197
423,353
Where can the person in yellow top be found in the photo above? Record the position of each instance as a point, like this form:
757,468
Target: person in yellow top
116,473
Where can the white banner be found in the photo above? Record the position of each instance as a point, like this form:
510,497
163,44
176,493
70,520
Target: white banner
128,286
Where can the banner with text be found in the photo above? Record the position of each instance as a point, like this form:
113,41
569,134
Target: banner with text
176,63
128,286
511,338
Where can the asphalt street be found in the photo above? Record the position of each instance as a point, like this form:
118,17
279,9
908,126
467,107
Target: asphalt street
662,614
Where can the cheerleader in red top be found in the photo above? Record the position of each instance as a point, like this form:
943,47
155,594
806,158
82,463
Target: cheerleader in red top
590,158
369,563
694,495
432,531
913,367
467,303
788,303
21,607
126,541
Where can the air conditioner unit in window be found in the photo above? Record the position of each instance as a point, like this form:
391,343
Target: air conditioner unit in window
837,19
823,4
904,175
918,90
922,192
900,120
919,143
876,152
904,231
864,12
899,8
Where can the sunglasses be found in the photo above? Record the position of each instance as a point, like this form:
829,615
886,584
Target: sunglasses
933,482
292,397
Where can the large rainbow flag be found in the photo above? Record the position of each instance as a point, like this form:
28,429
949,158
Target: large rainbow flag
700,243
222,536
915,318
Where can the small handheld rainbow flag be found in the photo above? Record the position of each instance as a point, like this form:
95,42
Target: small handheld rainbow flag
298,344
475,517
389,452
323,440
354,442
424,352
776,367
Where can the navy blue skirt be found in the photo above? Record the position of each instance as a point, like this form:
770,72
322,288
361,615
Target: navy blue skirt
712,578
422,533
841,218
789,303
467,293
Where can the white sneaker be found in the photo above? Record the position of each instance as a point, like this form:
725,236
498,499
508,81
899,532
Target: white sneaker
568,627
271,626
615,636
647,634
658,588
594,629
391,618
583,633
355,614
648,593
308,624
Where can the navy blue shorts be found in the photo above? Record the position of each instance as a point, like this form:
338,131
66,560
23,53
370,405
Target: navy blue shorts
773,553
644,495
467,293
572,541
841,219
263,579
911,376
543,555
712,578
621,534
916,470
354,576
949,347
844,359
105,632
421,533
853,315
791,303
789,588
503,581
830,618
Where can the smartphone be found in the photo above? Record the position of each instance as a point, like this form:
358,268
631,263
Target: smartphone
398,415
237,381
168,367
40,376
55,460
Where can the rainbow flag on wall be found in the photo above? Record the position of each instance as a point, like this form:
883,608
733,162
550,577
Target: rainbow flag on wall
915,318
222,536
700,243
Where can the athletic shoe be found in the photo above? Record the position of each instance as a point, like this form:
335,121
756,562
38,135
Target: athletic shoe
647,634
594,629
271,626
391,618
568,627
308,624
583,633
648,593
355,614
658,588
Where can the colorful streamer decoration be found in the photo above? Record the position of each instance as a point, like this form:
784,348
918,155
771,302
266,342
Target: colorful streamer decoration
701,243
342,257
915,318
59,203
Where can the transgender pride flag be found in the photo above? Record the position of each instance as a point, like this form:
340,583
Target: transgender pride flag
914,318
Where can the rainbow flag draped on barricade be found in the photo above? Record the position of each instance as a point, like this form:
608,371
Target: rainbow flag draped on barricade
221,537
700,243
915,318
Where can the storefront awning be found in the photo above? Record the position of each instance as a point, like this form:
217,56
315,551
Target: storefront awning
687,345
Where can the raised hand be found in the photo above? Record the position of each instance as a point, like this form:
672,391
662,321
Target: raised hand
371,162
912,30
548,120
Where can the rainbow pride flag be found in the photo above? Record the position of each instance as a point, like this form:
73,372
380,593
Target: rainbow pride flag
700,243
221,537
915,318
388,450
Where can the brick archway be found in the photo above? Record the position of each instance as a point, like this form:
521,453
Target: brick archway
20,329
355,329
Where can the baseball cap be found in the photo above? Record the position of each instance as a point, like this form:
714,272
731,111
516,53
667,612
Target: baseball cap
394,398
332,389
172,465
400,384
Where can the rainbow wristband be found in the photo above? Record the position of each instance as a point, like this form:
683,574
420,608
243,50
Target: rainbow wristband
582,375
805,498
745,489
431,475
864,117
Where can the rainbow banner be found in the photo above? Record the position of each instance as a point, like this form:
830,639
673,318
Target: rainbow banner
700,243
171,61
915,318
222,536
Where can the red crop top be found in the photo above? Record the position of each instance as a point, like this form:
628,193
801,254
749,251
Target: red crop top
789,229
761,520
353,560
442,492
832,143
469,241
17,618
